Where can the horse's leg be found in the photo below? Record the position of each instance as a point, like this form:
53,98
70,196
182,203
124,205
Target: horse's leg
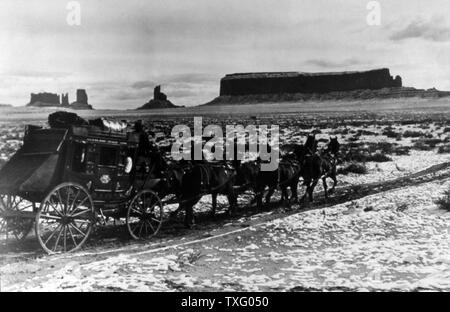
333,177
269,194
189,217
311,189
307,183
259,191
214,204
174,213
232,199
325,186
284,195
294,193
259,200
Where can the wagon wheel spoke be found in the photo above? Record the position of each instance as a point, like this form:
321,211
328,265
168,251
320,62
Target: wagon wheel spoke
15,203
82,221
59,198
52,234
135,227
57,239
136,211
77,229
140,228
71,235
79,213
50,217
65,238
151,226
55,208
78,206
3,204
74,200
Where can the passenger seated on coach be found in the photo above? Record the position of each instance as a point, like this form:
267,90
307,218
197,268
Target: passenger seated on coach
146,150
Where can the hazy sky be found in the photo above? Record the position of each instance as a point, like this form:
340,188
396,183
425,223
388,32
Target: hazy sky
122,49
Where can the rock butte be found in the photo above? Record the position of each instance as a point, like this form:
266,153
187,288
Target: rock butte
46,99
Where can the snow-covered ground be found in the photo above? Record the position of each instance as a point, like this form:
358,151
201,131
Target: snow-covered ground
399,166
397,240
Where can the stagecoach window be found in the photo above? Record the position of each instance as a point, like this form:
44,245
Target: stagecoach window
79,157
107,156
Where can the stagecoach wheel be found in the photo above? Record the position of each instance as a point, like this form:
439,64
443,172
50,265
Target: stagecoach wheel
15,225
65,219
144,215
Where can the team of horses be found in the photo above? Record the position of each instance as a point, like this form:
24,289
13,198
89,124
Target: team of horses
190,180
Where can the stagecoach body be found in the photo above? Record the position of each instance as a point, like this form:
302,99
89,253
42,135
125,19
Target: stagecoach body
63,180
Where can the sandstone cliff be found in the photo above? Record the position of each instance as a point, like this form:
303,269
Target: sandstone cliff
365,94
81,101
299,82
44,99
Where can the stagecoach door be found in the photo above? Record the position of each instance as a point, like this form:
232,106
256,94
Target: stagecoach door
106,170
111,175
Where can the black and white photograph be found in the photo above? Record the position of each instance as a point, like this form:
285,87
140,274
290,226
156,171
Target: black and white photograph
237,147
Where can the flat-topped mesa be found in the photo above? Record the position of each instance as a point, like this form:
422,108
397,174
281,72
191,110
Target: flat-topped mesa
300,82
44,99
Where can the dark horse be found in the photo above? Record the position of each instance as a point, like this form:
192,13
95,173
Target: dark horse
206,178
250,176
323,166
286,175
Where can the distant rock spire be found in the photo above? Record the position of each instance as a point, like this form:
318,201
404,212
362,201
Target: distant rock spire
159,100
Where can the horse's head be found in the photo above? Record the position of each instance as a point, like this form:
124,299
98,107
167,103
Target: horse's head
297,150
311,143
247,173
158,162
173,177
333,146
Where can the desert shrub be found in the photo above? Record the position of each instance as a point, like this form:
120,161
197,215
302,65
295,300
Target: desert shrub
421,146
433,142
391,133
384,147
366,132
444,201
408,122
426,144
412,134
446,129
353,138
378,157
353,167
402,150
355,155
444,149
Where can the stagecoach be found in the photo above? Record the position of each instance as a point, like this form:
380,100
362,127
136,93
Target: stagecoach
63,181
